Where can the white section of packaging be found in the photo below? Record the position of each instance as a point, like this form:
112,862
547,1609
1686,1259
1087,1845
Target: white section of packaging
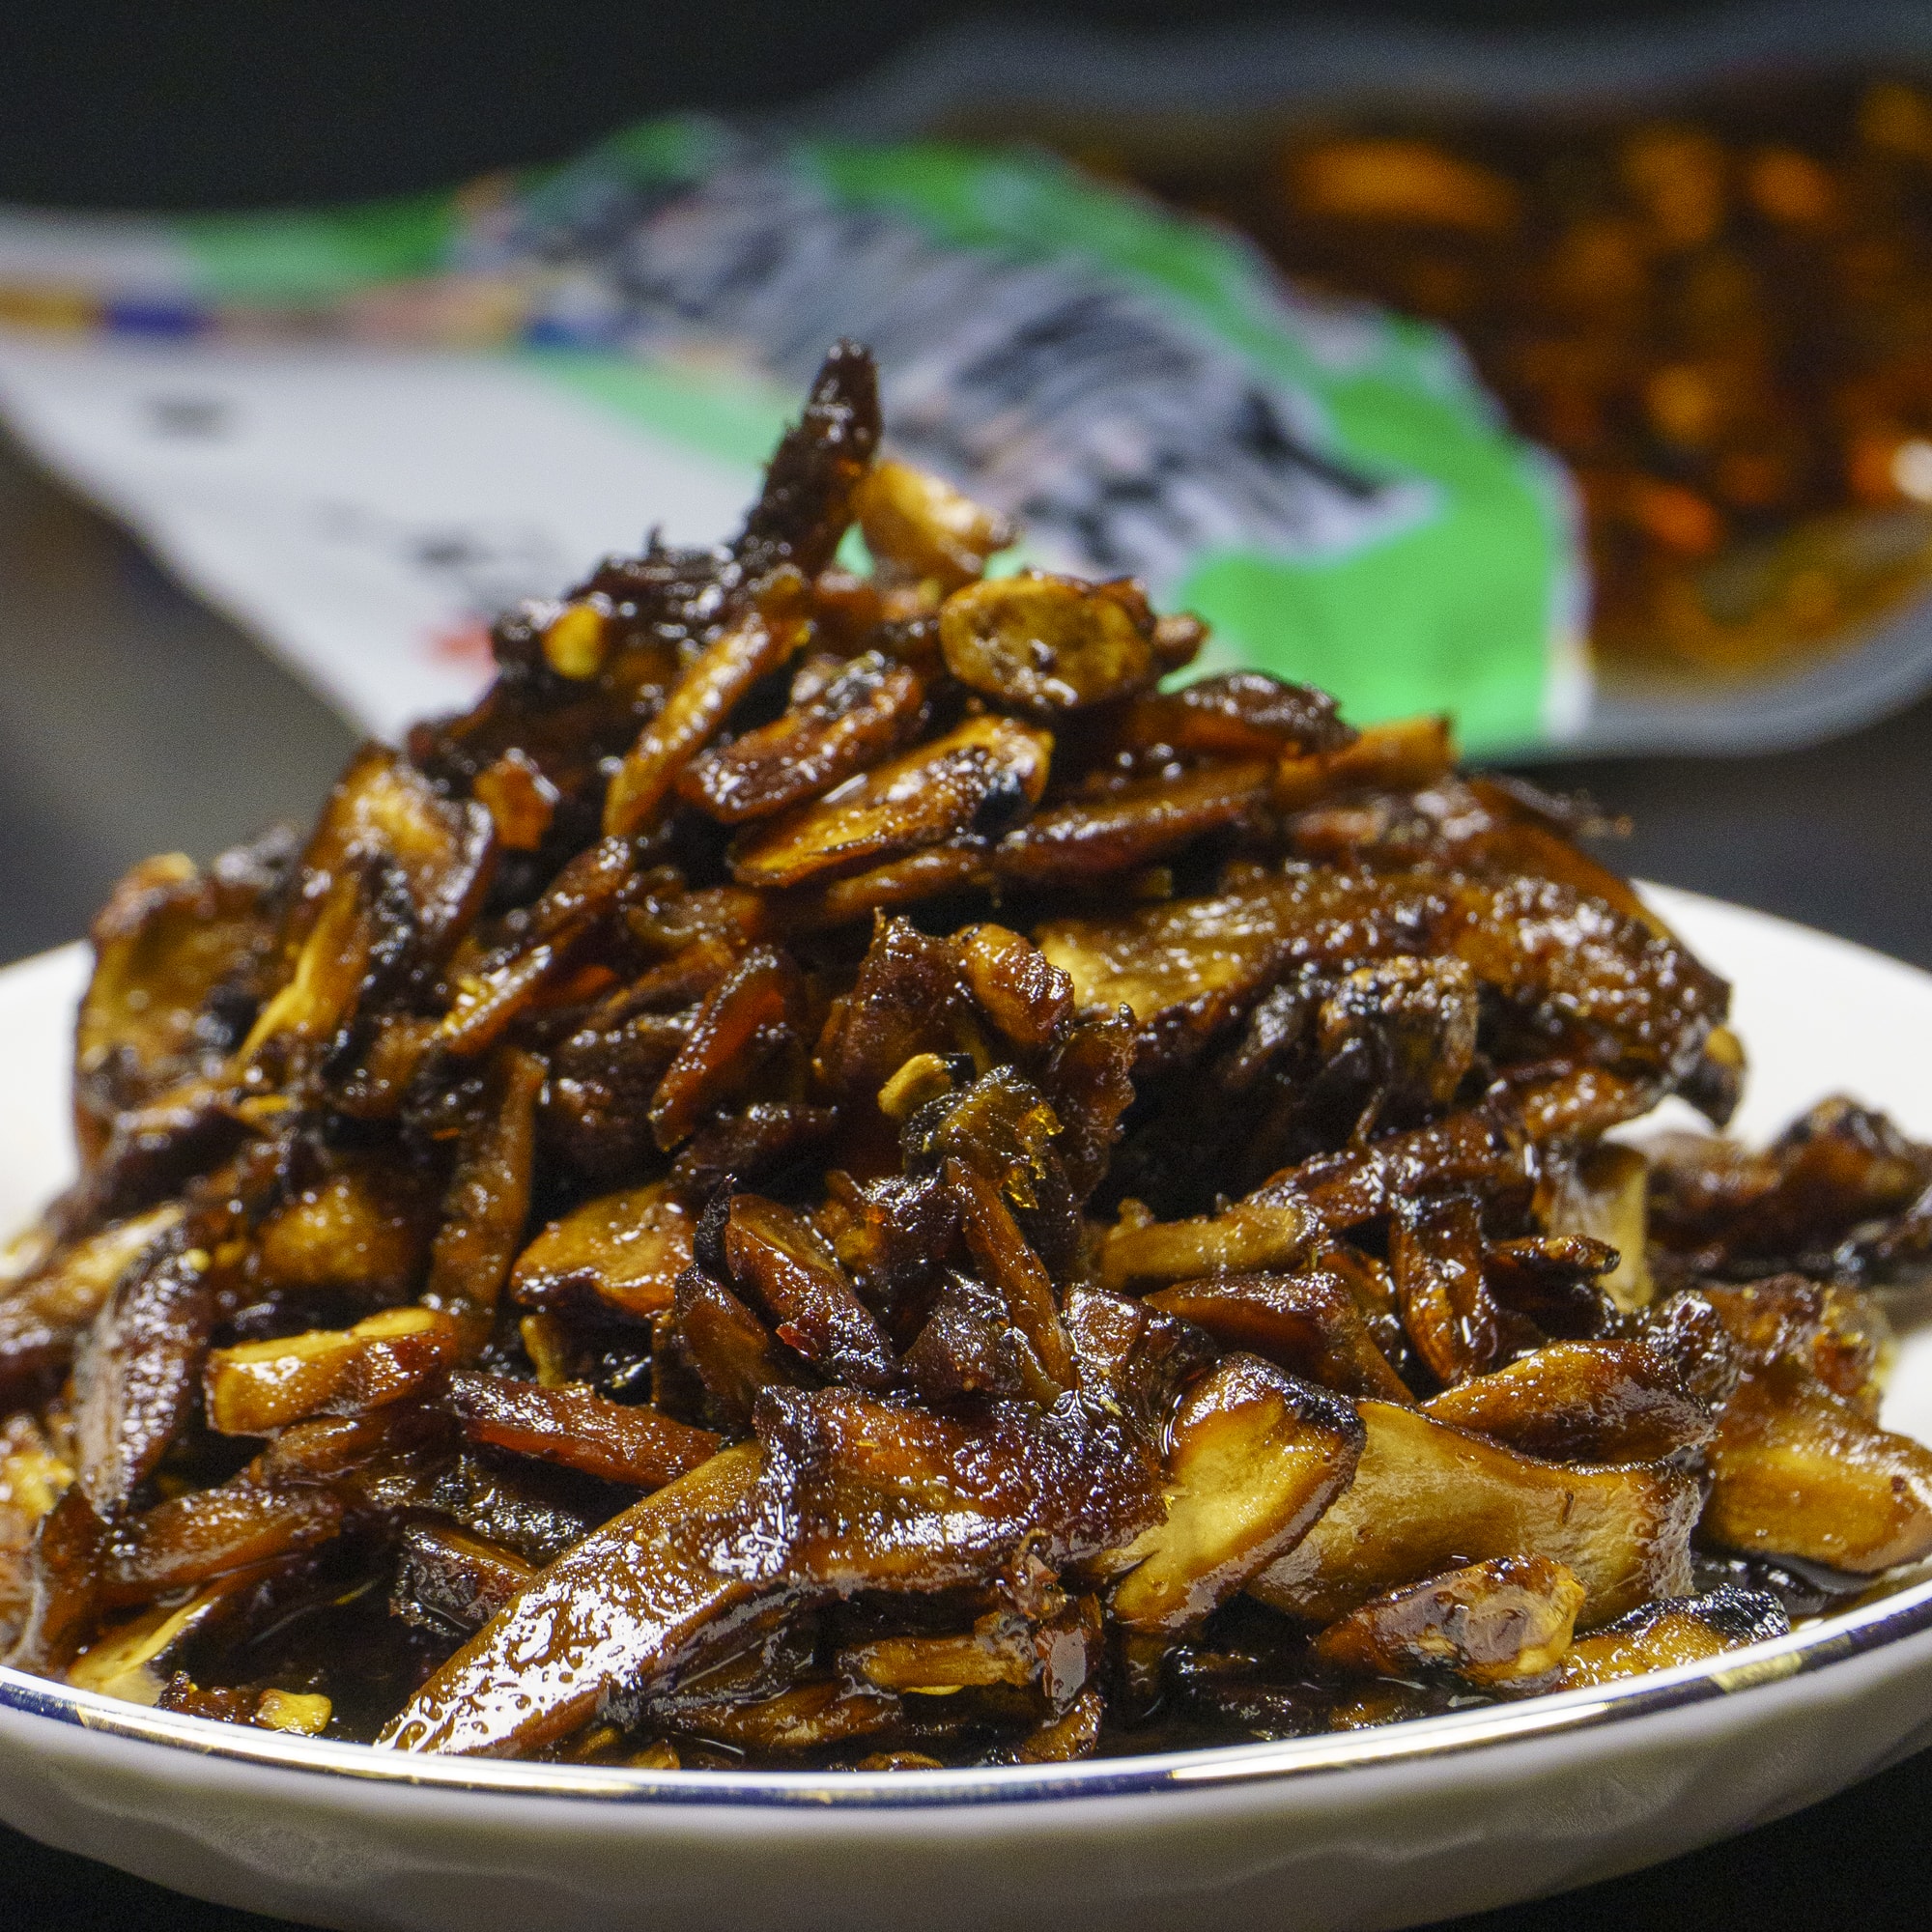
362,511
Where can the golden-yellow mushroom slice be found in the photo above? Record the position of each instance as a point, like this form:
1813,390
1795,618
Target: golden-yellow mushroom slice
1255,1457
1426,1495
1799,1472
624,1250
1505,1621
258,1386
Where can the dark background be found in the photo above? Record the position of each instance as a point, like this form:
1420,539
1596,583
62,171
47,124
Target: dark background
133,720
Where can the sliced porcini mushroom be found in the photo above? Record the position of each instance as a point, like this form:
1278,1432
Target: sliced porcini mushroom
257,1387
1130,826
43,1314
206,1533
1310,1323
748,1014
922,527
1677,1629
1800,1471
759,641
1505,1621
1586,1402
1435,1256
622,1607
1254,1458
487,1203
1140,1252
1048,644
785,1263
622,1443
1605,1195
1426,1495
625,1250
858,717
459,1580
978,778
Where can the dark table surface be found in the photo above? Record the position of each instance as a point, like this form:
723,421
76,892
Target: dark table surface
133,720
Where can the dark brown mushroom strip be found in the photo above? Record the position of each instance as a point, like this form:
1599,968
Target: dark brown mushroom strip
1799,1472
1807,1329
622,1608
488,1202
64,1604
792,1272
1426,1495
624,1251
978,778
1254,1457
43,1314
1584,1402
383,810
489,999
1436,1253
759,641
807,501
728,1348
138,1374
1505,1621
1681,1630
1133,825
1014,985
209,1532
169,938
803,1719
622,1443
750,1012
1310,1323
1010,1266
460,1580
869,710
1241,714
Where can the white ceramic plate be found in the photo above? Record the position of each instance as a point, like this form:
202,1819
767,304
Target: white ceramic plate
1376,1829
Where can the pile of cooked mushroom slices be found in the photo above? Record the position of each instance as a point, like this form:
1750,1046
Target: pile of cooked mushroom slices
837,1174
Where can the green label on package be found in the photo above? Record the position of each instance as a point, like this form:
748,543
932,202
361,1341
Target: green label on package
1328,486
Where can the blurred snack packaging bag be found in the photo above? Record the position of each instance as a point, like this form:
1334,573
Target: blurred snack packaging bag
1698,270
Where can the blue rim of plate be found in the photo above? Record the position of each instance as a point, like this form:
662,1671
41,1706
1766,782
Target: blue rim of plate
1857,1633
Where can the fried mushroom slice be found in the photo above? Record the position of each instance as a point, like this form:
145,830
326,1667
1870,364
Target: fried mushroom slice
622,1443
787,1263
1254,1457
44,1313
841,1494
759,641
868,710
924,530
1426,1495
453,1580
1129,825
979,778
1507,1621
1310,1323
1435,1256
1585,1402
1679,1630
257,1387
624,1605
621,1252
1139,1252
1049,644
1800,1471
